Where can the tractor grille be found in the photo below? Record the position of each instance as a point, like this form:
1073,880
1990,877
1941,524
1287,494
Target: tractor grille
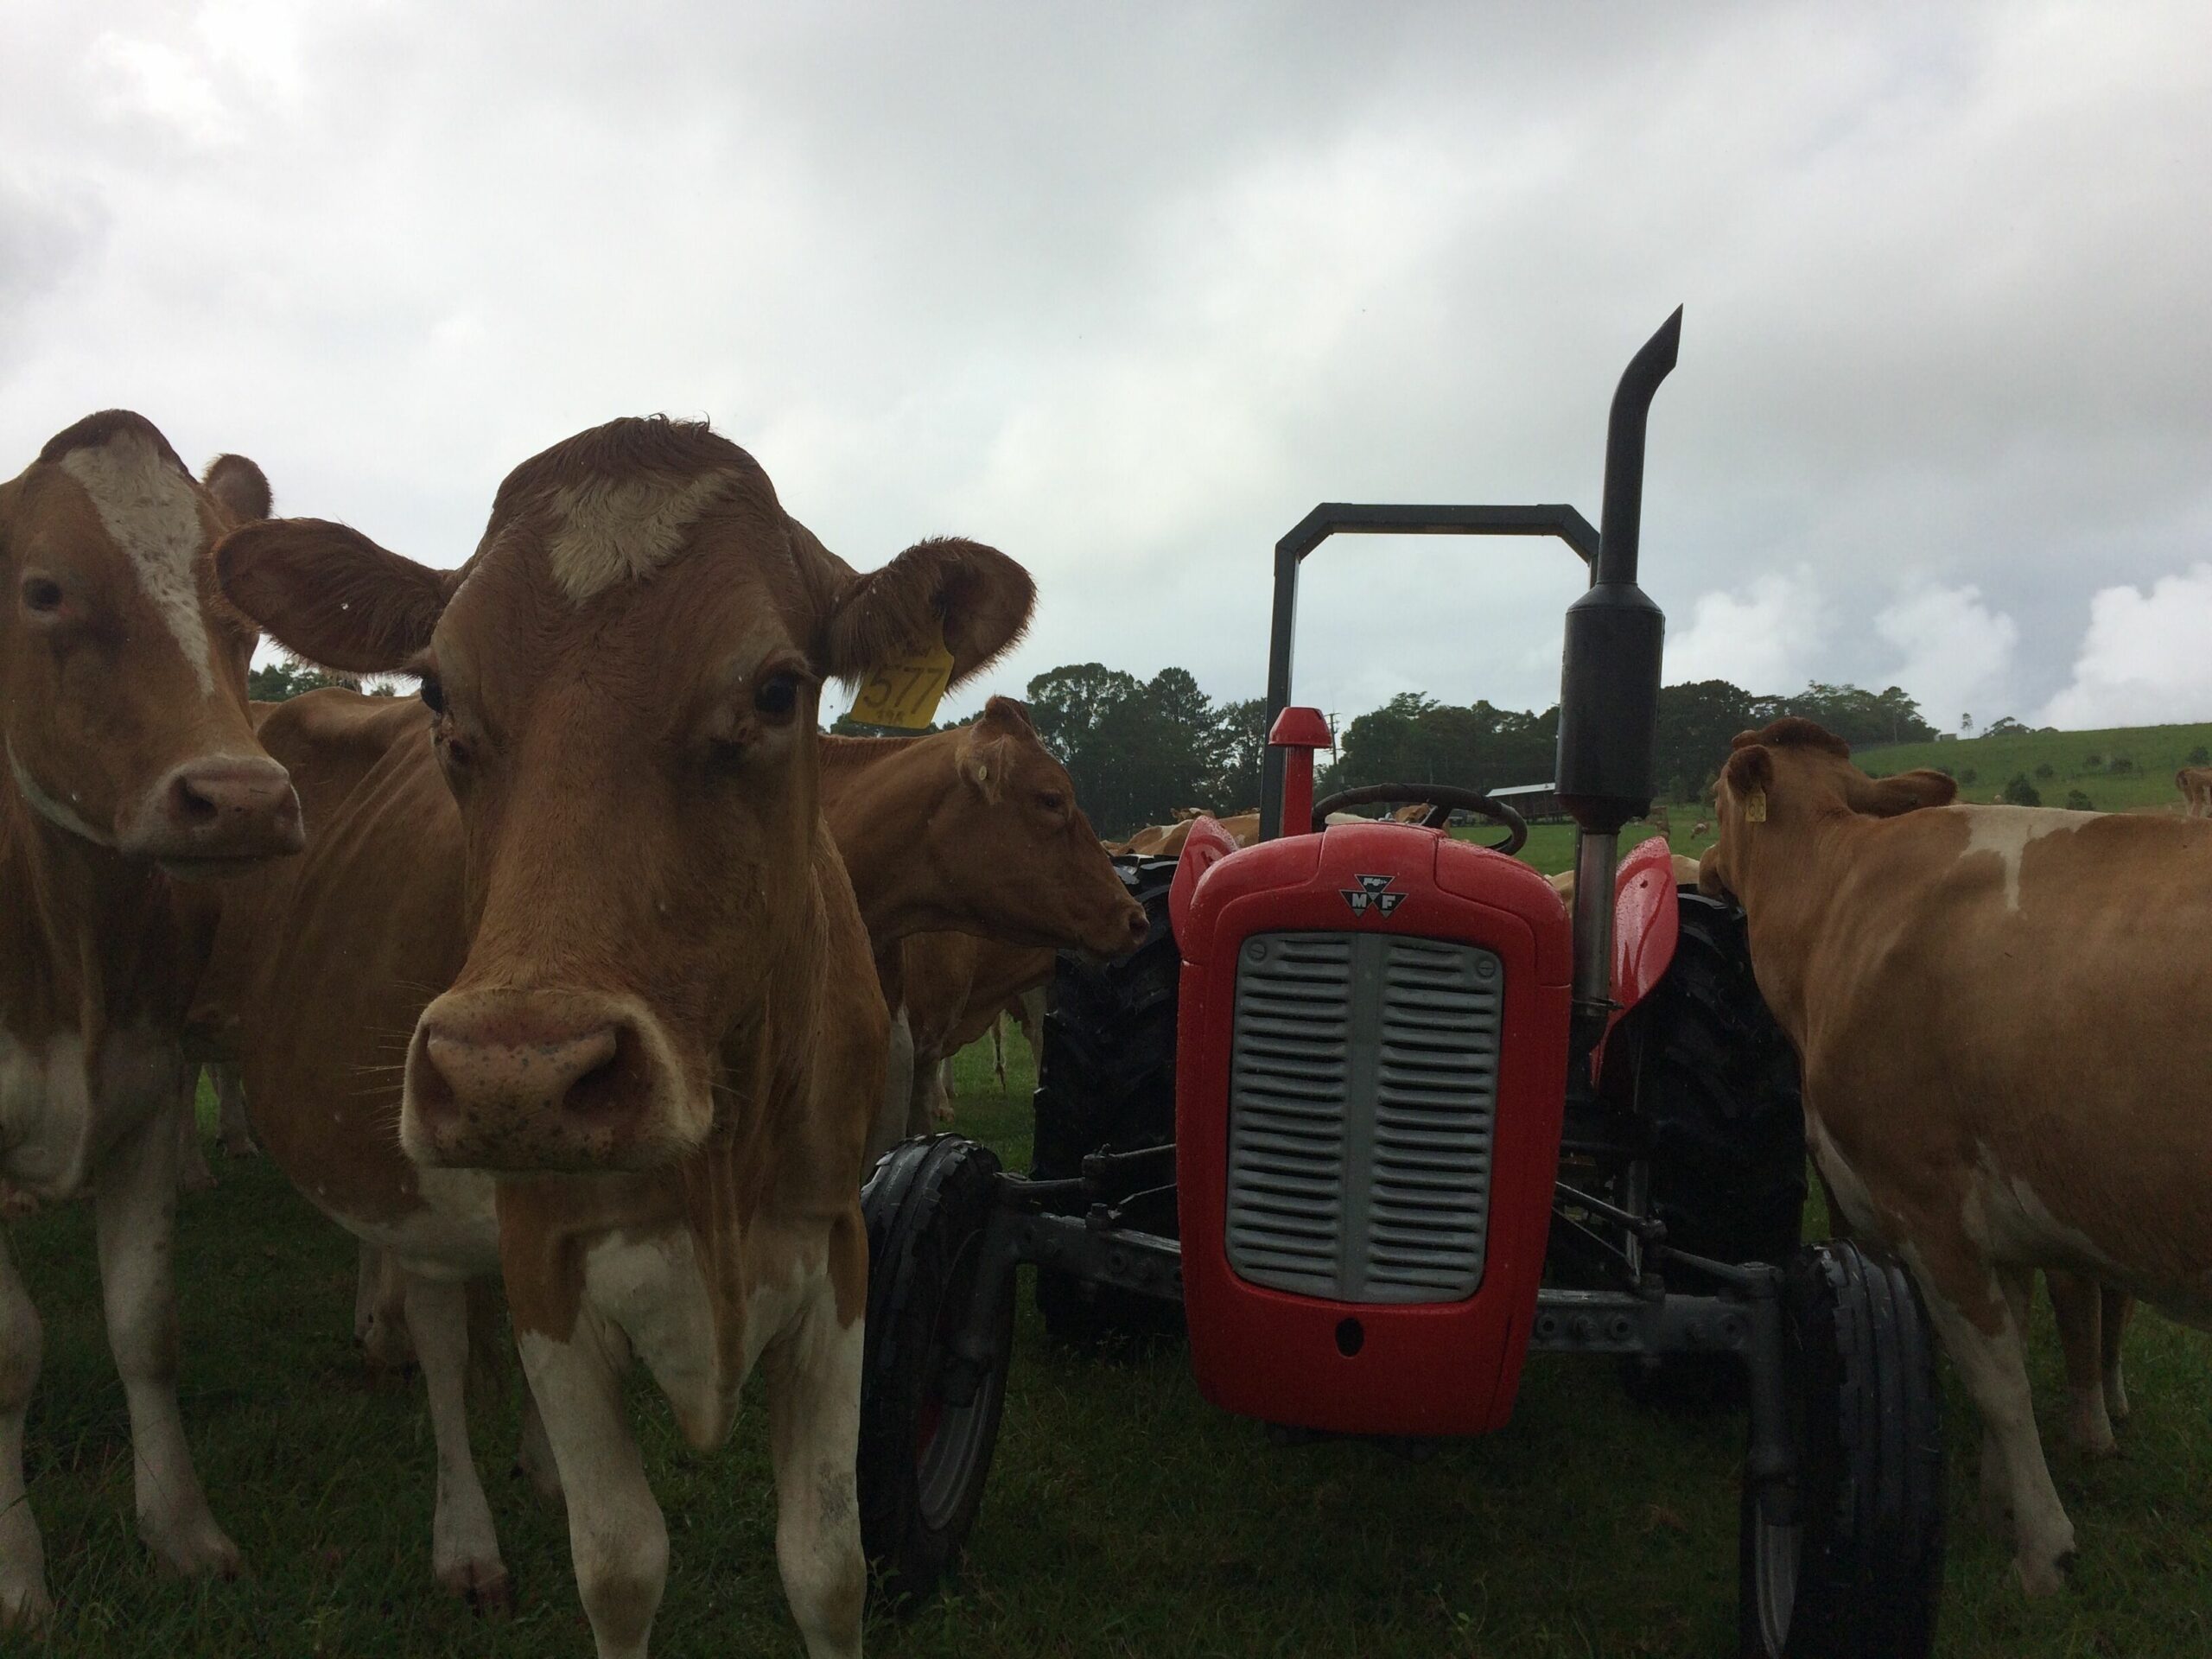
1362,1100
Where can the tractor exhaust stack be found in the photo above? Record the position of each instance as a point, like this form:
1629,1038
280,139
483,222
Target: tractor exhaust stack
1609,686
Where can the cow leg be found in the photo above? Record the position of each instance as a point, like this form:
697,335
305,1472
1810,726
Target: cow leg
814,1389
897,1089
1979,1321
617,1538
534,1459
233,1127
1029,1014
928,1099
464,1548
381,1321
134,1213
2077,1302
23,1600
193,1172
2118,1308
998,1048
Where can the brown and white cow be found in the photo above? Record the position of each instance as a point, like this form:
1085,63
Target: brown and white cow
643,1085
952,988
2195,785
2000,1012
131,763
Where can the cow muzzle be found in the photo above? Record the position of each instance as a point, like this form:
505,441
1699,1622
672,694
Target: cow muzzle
542,1080
215,816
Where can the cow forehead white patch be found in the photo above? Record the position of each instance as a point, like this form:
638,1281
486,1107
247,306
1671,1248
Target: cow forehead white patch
2006,831
611,530
150,512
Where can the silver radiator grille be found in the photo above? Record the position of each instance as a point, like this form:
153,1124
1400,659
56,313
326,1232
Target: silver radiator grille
1362,1100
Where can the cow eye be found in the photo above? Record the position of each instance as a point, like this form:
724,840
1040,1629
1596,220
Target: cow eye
434,693
1051,801
42,595
776,696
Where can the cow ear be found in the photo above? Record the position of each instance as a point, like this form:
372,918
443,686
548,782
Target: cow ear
982,762
331,596
240,486
1890,797
979,598
1750,766
1005,715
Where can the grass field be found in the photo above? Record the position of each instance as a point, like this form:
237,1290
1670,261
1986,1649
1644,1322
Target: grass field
2153,753
1124,1519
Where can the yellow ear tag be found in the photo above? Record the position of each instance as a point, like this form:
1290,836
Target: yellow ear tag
905,691
1755,807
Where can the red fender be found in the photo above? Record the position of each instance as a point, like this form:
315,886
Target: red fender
1207,844
1647,925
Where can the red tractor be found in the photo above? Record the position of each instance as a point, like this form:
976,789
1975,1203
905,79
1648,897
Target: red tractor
1371,1116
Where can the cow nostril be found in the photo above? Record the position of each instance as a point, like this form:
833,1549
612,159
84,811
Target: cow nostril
617,1083
188,808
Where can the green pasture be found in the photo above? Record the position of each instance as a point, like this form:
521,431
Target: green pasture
2056,762
1125,1518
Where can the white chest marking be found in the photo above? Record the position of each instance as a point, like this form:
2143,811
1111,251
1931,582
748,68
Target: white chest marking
2006,831
149,510
53,1131
651,1286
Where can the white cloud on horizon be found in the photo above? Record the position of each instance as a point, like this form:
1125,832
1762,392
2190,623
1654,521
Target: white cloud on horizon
1958,653
1760,639
2146,658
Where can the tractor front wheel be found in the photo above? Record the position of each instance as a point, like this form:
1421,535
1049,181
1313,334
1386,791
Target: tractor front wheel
1852,1566
934,1359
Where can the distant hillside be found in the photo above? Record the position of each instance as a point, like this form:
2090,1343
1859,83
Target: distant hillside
2088,761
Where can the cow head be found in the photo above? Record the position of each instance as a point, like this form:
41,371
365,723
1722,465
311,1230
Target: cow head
625,679
1036,872
122,666
1791,775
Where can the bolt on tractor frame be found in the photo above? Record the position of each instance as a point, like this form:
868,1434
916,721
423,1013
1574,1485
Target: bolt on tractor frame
1424,1121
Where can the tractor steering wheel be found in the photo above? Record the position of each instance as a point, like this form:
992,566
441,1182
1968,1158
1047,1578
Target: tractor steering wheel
1441,798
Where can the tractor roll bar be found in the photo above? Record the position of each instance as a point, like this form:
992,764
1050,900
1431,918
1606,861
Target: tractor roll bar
1347,518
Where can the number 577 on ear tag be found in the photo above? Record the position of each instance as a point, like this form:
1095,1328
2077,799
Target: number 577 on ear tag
904,691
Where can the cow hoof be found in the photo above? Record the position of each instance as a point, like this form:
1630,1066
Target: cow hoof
2045,1578
483,1585
198,1549
15,1205
26,1611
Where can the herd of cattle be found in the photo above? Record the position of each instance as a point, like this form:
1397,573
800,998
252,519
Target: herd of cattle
603,900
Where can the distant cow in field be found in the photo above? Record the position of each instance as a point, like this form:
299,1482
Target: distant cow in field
2007,1066
2195,785
131,768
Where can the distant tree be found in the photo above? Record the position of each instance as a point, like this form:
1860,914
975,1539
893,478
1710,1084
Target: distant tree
1861,718
2020,792
2119,763
1697,721
2093,761
2045,772
1968,775
1966,725
2199,756
2078,802
282,682
2005,726
1242,742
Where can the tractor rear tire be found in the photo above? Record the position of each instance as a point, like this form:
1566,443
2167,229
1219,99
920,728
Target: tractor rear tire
929,1422
1107,1078
1859,1572
1716,1085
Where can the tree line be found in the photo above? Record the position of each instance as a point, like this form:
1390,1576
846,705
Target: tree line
1139,749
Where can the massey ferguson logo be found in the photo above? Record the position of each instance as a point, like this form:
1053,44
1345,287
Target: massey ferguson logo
1371,893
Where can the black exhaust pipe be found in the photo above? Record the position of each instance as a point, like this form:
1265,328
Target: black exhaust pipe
1609,684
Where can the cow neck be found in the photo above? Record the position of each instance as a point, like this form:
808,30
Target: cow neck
879,796
87,935
1787,893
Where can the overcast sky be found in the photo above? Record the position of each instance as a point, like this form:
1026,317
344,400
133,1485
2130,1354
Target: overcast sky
1126,290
